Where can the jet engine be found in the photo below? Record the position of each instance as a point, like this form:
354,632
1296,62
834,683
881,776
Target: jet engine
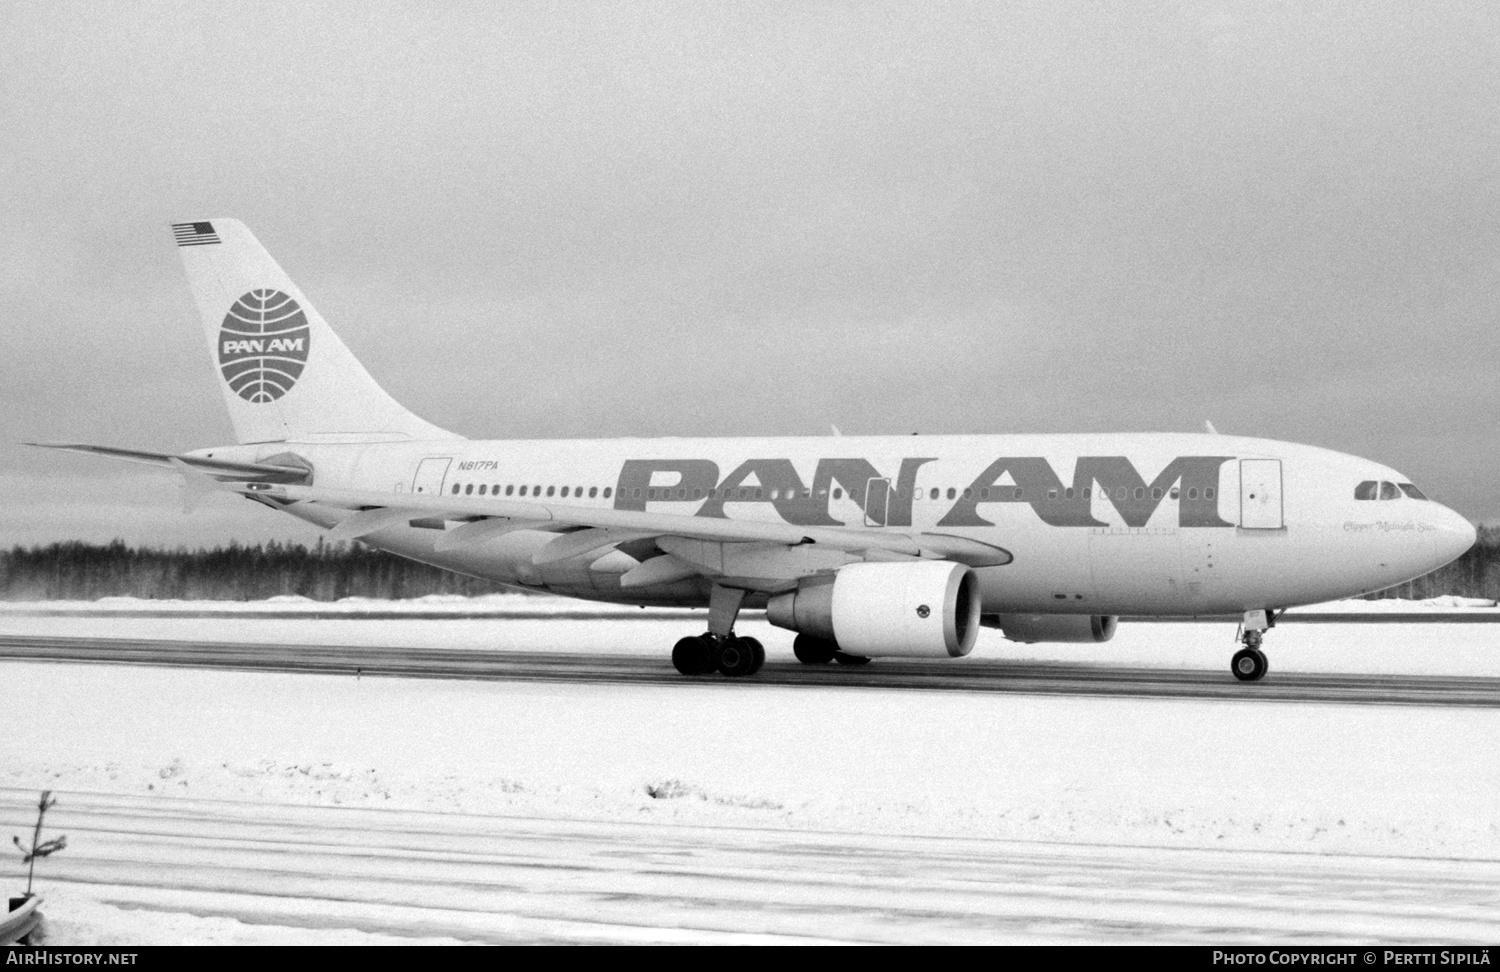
1074,628
917,609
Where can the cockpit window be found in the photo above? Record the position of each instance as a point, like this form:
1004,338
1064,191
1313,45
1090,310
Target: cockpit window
1412,491
1366,490
1388,491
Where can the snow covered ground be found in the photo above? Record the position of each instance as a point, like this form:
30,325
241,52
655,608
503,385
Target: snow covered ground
1351,785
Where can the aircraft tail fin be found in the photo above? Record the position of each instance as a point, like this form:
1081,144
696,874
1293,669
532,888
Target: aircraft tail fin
283,371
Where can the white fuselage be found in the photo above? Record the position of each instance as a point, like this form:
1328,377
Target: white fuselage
1148,523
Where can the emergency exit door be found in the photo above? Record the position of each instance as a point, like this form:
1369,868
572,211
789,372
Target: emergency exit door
429,477
877,501
1260,494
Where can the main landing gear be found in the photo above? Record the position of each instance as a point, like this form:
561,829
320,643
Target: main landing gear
819,651
719,649
708,653
1249,663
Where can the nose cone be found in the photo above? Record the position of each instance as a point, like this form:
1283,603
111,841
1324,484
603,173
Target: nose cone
1452,536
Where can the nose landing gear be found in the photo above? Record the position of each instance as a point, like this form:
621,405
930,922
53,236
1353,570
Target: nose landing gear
1249,663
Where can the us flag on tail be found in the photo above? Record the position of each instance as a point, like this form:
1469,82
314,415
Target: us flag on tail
194,234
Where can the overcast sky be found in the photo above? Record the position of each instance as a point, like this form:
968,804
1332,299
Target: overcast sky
536,220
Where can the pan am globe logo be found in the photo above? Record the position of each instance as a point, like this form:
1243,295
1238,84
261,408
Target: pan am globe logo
263,345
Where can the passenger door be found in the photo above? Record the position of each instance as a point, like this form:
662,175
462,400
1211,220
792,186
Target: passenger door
430,474
877,501
1260,494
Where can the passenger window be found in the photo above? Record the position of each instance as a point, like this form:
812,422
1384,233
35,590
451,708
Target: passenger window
1052,494
1388,491
1174,494
984,493
1140,492
1068,493
968,492
455,489
838,493
1208,492
1193,492
1020,493
1412,491
952,492
1156,493
1088,492
468,489
565,491
934,493
551,490
523,490
482,488
1120,493
593,492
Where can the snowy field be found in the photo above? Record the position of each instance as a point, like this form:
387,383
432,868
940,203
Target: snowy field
1403,798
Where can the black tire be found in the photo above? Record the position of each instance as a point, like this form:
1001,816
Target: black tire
1249,664
813,651
844,658
693,656
737,657
759,651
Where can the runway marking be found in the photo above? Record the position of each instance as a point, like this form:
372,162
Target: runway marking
966,674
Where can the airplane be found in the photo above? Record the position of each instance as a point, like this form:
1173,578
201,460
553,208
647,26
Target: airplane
865,546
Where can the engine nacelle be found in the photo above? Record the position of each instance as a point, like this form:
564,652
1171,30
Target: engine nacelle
1068,628
915,609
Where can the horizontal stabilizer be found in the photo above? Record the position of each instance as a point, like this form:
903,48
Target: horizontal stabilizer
259,471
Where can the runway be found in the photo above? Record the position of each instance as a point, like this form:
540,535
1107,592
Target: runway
505,879
961,675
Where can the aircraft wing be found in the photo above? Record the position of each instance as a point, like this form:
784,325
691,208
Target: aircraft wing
772,551
259,470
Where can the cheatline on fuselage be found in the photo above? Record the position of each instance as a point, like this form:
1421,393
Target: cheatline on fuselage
865,546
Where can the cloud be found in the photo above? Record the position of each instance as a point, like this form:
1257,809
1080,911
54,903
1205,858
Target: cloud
640,220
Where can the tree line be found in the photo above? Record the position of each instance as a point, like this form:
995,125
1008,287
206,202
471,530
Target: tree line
239,572
77,571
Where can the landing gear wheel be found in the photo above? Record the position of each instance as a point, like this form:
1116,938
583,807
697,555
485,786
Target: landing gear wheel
813,651
843,658
739,657
694,656
759,651
1249,664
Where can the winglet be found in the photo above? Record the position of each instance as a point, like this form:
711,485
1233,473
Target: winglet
196,486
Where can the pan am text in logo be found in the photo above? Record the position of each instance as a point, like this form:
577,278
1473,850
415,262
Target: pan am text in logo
263,345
